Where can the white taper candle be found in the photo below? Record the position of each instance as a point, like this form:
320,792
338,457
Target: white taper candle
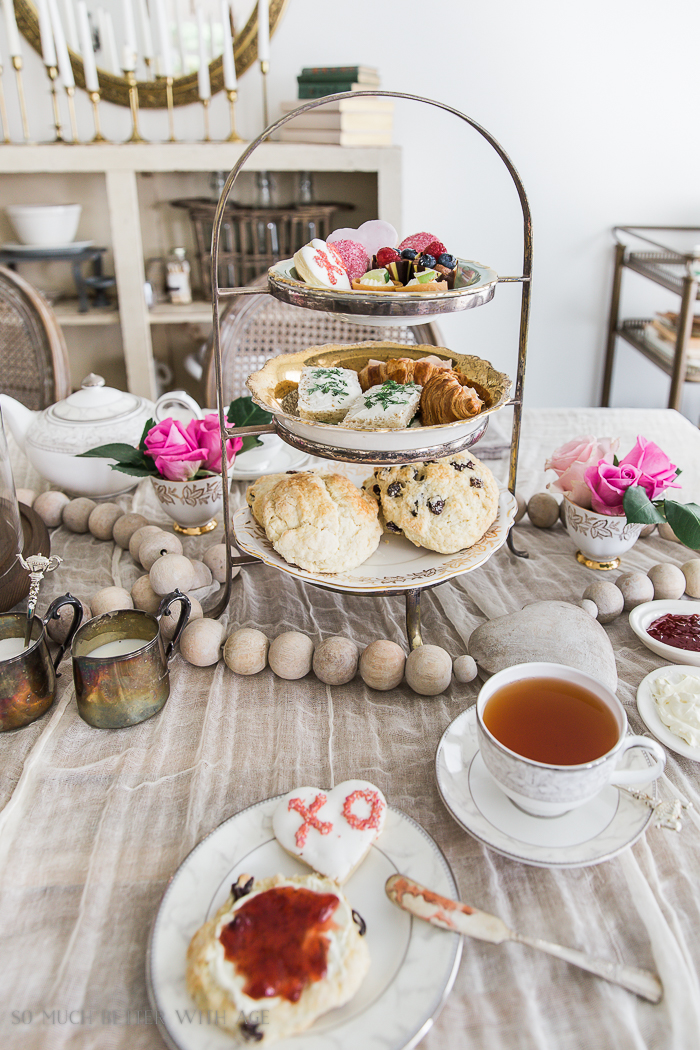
229,62
12,30
263,31
86,49
64,66
163,29
71,28
203,71
48,50
146,34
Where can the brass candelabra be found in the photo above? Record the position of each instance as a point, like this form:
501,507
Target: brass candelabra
134,106
232,95
95,99
70,92
17,64
265,69
52,72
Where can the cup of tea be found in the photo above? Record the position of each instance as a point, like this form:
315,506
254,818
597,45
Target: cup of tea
27,672
553,737
120,664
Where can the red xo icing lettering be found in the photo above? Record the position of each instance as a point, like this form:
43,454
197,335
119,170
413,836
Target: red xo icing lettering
309,818
330,262
371,821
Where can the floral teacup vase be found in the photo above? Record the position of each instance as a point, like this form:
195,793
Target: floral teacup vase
193,505
600,538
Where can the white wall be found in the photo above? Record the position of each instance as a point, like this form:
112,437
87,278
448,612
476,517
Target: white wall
596,105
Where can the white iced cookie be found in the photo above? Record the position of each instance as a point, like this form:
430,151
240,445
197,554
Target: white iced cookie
318,264
331,831
279,953
325,394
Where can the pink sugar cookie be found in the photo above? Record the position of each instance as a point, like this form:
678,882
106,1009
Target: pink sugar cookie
355,258
417,241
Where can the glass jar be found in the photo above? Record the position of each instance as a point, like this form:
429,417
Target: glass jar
178,277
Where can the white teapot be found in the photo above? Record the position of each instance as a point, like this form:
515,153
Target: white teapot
92,416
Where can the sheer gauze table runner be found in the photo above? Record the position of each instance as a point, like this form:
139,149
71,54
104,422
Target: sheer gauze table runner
95,822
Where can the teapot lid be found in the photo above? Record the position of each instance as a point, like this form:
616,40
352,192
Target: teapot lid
95,402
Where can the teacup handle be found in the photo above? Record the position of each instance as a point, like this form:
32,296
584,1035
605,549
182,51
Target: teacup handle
639,777
185,610
52,612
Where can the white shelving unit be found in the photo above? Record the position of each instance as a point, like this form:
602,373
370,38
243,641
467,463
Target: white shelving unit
121,165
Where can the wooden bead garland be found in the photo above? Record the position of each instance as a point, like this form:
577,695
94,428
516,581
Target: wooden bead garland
200,642
245,651
171,572
335,660
49,506
144,597
428,670
290,655
382,665
76,514
154,547
102,520
125,527
139,536
109,599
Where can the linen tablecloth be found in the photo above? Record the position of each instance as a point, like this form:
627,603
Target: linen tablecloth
93,823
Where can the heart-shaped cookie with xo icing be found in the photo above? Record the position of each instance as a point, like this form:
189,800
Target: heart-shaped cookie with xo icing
331,831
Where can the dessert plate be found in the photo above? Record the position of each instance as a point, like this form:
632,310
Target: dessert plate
413,965
395,566
475,286
646,705
275,457
585,836
54,249
644,615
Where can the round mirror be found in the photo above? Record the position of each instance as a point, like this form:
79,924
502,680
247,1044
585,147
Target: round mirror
107,25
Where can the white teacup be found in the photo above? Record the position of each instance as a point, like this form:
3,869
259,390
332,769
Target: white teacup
550,790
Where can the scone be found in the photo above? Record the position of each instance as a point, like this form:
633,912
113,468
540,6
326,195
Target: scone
444,505
320,522
279,953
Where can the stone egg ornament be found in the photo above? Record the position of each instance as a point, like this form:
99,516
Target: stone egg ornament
668,581
171,572
464,668
144,597
139,536
76,513
170,619
382,665
636,588
291,655
125,527
109,599
607,598
691,571
245,651
58,628
428,670
49,506
102,520
154,547
335,660
543,510
200,642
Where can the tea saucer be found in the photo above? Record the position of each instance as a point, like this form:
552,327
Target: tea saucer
646,705
588,835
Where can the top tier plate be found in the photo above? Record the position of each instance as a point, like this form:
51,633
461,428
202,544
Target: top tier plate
475,286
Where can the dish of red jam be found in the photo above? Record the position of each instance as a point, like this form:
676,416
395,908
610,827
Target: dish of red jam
276,940
682,632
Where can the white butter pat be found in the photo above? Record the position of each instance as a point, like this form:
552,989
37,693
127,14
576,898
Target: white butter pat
325,394
677,698
391,405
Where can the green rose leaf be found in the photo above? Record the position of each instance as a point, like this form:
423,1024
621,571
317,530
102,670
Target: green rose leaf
639,508
123,453
684,519
243,412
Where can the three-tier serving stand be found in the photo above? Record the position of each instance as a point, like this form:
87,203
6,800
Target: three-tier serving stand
397,308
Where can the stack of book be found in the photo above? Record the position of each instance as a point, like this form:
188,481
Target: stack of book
362,121
663,331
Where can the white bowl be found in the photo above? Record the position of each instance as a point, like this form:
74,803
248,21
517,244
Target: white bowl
644,615
45,225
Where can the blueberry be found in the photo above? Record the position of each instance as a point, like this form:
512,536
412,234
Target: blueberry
427,261
436,506
409,253
395,489
447,260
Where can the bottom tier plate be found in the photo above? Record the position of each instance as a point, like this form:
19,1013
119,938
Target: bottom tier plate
396,565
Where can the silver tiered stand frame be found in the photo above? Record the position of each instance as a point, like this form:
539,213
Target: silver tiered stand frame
413,625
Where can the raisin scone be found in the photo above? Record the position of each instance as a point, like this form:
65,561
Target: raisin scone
442,504
279,953
320,522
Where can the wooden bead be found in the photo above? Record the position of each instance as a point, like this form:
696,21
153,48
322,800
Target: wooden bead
26,496
171,572
202,574
109,599
101,521
335,660
215,561
125,527
691,571
144,597
200,642
607,598
245,651
49,506
154,547
636,588
382,665
139,536
464,668
290,655
170,619
58,629
668,581
543,510
77,512
428,670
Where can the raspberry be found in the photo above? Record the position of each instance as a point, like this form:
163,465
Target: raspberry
387,255
419,241
355,258
435,248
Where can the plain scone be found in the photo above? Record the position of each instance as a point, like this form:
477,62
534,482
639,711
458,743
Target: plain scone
320,522
216,986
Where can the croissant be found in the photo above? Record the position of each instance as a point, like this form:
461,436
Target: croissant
401,370
445,399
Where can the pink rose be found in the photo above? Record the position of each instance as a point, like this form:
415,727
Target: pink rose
571,462
608,484
656,471
207,435
177,456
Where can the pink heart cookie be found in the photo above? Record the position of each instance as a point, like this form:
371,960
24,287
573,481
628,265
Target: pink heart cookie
373,235
331,831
